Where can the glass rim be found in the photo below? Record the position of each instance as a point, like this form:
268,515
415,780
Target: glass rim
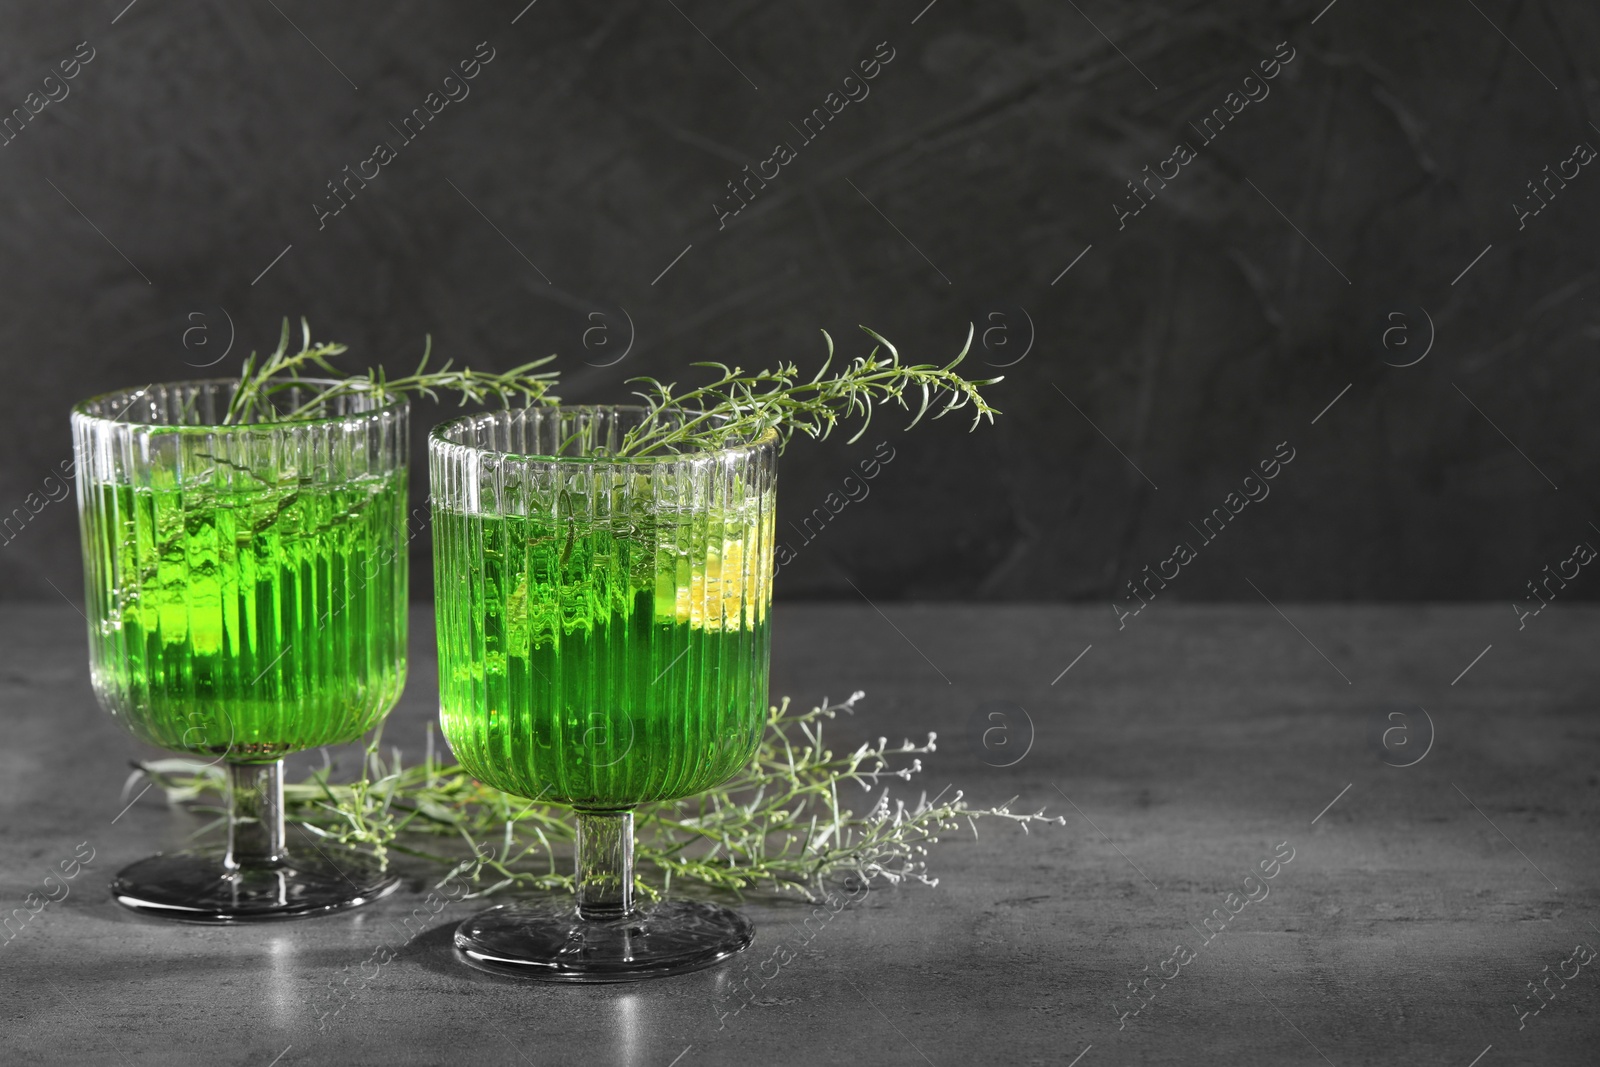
397,404
437,435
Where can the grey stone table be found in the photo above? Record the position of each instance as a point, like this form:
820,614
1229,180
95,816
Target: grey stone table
1194,744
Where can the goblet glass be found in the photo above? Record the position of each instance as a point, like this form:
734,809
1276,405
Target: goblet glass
246,591
603,643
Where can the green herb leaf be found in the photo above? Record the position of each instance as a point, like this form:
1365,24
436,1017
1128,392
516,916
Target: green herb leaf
741,406
260,380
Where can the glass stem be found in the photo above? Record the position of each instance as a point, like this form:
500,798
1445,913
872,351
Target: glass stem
255,815
605,865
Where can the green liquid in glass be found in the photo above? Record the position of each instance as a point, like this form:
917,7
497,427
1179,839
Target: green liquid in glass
249,621
595,665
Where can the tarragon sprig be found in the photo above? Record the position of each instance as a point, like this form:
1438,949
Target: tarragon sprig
735,406
743,406
261,379
781,823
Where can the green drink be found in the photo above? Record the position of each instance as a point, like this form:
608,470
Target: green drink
246,591
586,665
603,642
251,620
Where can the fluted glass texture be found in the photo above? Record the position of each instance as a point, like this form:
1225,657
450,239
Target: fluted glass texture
246,584
603,622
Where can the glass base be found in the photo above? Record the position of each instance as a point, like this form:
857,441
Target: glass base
552,944
195,887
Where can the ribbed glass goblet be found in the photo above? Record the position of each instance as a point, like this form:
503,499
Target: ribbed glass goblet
246,591
603,643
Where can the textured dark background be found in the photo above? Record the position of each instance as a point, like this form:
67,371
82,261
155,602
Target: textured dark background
1196,338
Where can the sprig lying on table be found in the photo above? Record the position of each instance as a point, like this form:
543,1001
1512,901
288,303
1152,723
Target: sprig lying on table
779,824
